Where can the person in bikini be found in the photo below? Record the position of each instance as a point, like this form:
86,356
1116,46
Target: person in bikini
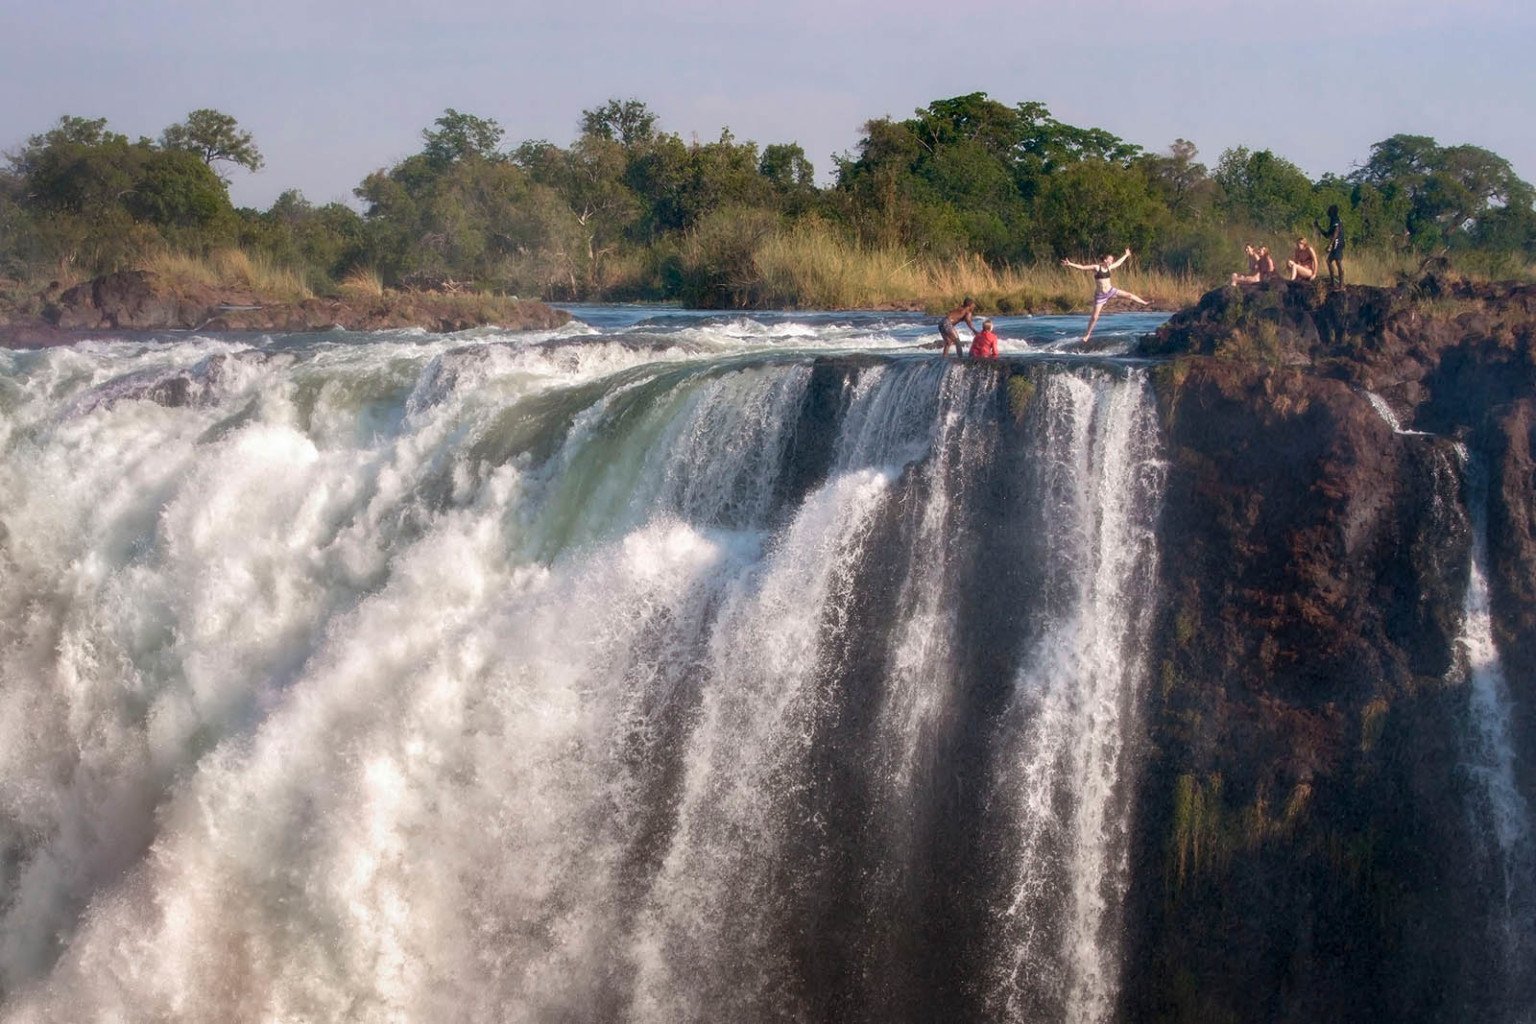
1252,277
960,314
1103,291
1302,266
1266,264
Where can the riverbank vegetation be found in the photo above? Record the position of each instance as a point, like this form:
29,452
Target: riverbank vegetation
967,196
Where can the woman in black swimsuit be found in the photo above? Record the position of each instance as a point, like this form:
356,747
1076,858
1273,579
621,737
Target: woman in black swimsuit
1103,291
1335,237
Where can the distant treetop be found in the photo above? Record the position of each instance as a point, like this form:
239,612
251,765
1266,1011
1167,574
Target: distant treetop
215,137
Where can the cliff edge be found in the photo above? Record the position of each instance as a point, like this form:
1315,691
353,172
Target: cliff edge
1315,840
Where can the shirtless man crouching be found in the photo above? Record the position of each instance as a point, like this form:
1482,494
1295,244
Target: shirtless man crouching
960,314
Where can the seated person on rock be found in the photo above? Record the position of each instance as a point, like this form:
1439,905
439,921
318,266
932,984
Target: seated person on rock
1252,277
1267,271
1302,266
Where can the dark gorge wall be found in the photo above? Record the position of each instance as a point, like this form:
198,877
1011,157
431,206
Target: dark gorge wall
1313,841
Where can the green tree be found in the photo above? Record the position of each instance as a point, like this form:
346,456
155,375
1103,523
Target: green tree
627,122
1183,183
590,179
458,136
1095,207
1448,191
175,189
786,168
215,137
1264,190
326,241
879,182
71,131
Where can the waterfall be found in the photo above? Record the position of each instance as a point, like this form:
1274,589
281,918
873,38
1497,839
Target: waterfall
1503,812
1075,707
567,679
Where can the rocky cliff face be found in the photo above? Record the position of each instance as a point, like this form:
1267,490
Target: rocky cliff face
1311,846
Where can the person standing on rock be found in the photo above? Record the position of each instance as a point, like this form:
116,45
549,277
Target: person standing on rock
1103,291
961,313
1335,236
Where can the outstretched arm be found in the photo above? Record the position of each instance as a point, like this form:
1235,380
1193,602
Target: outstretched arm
1123,257
1074,266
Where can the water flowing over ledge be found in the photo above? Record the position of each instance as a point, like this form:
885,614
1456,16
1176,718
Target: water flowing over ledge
696,667
653,677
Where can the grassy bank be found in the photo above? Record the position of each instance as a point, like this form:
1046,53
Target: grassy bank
230,270
810,266
805,266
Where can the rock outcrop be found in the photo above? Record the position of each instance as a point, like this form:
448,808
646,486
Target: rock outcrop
1309,847
139,300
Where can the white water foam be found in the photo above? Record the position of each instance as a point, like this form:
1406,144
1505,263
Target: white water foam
418,679
1492,753
1075,709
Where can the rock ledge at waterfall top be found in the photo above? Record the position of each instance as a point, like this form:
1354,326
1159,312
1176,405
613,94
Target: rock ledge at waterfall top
141,300
1423,346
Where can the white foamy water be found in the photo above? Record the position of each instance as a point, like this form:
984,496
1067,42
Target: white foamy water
498,678
1076,707
1505,813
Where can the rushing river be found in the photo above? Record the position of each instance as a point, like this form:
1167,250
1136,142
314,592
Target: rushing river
667,667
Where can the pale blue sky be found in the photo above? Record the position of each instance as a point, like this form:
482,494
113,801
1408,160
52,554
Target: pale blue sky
334,90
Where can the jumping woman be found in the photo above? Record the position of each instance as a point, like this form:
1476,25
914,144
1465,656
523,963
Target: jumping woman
1103,291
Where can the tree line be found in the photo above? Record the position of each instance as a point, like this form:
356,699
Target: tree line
628,210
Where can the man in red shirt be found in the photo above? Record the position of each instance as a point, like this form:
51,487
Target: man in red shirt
984,345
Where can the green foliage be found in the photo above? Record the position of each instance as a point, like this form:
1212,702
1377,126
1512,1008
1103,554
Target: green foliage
456,136
1208,833
964,175
1264,190
717,265
1453,196
785,167
1180,181
1095,207
1021,393
214,137
176,189
627,122
87,198
965,188
327,240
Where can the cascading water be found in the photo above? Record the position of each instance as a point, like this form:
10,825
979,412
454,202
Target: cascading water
1503,813
676,673
1064,784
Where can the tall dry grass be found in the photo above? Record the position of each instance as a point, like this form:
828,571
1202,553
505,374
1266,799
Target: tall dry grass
362,281
808,266
230,269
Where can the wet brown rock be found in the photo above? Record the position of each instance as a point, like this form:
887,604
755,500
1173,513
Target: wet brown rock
1306,848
